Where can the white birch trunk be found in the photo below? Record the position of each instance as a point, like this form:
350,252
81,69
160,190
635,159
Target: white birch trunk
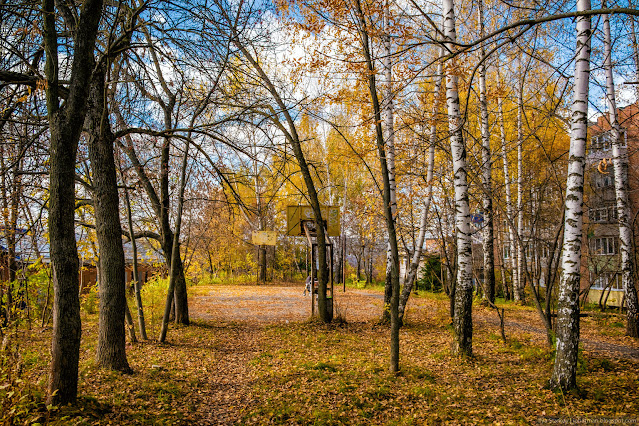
509,199
620,163
329,180
462,319
389,112
417,254
487,166
518,287
565,367
390,140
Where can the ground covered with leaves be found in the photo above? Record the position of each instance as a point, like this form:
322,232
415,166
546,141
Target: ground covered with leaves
252,356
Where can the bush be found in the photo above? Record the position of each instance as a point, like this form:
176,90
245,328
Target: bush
154,299
89,301
30,294
429,276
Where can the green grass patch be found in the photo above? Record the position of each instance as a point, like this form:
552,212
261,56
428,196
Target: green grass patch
321,366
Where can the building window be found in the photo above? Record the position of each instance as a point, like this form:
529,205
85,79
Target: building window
604,280
604,180
603,141
604,246
506,252
603,214
598,214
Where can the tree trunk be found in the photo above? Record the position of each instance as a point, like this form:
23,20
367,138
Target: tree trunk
565,367
417,254
160,208
390,152
111,349
462,320
293,137
509,204
10,204
487,166
129,324
163,201
65,126
519,287
134,253
386,194
340,261
620,162
181,302
261,250
177,270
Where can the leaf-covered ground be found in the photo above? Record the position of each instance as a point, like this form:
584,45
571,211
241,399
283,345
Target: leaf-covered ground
252,357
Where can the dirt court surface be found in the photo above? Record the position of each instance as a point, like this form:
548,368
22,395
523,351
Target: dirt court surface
275,304
278,304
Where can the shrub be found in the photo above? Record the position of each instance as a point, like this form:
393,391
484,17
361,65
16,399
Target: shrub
89,301
429,276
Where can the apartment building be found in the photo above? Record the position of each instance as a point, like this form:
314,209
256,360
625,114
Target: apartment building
601,280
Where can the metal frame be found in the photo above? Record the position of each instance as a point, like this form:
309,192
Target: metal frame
314,251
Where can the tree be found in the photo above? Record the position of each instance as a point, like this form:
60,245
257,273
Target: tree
565,366
508,200
519,284
417,254
363,28
462,320
620,163
167,100
389,148
111,351
65,126
134,254
275,108
487,201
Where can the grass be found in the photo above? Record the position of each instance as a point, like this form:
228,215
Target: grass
308,373
506,381
361,284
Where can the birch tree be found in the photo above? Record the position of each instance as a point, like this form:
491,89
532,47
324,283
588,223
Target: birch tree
462,319
487,166
620,163
518,285
389,145
565,366
417,254
635,50
509,203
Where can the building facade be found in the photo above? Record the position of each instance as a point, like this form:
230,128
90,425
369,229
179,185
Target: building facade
601,283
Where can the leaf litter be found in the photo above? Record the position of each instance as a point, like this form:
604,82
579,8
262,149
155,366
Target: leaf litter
252,356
